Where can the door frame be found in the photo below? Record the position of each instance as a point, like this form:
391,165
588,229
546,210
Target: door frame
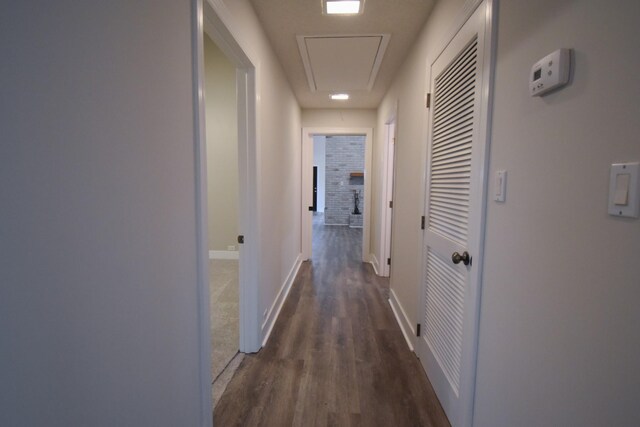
469,362
387,182
216,28
213,17
307,169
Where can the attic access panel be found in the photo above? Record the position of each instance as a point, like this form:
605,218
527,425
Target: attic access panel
342,62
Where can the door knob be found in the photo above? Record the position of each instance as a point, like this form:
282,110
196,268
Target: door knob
465,258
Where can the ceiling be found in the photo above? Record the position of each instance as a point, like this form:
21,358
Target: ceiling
324,54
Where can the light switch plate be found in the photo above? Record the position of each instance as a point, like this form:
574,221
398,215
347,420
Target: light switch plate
500,186
624,192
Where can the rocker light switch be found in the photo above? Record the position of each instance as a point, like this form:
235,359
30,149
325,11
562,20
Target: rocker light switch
624,193
621,197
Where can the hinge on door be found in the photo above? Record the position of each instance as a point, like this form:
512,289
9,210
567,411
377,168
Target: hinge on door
388,261
418,329
391,204
428,100
241,239
422,222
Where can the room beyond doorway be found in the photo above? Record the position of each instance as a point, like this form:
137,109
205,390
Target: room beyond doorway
223,216
345,199
339,163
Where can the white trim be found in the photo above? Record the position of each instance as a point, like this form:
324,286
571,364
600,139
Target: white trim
202,263
387,180
468,9
224,255
374,263
404,322
307,170
279,300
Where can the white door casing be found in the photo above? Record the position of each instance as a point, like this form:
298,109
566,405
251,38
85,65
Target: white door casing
455,203
307,179
387,191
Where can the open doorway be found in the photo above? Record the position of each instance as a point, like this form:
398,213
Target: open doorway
227,249
386,209
223,213
335,188
338,193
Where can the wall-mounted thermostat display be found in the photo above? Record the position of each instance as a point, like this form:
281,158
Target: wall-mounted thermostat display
550,72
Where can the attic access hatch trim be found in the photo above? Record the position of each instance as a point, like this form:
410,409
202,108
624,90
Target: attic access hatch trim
306,60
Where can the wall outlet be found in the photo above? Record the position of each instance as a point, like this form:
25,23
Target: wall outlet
231,247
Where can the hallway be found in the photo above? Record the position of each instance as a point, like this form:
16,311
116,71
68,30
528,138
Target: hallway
336,355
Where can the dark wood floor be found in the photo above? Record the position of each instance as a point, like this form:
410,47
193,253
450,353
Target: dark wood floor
336,356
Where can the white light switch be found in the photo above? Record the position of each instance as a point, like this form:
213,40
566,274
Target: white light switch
621,197
624,191
500,186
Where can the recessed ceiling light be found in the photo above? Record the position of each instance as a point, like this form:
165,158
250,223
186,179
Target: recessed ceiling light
342,7
340,96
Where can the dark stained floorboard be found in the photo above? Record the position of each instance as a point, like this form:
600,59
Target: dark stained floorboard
336,356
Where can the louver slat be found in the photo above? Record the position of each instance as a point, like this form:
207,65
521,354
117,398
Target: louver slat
444,302
451,148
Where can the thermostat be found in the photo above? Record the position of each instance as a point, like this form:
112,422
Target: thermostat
550,72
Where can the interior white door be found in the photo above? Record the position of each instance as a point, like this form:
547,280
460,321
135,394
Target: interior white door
452,238
389,198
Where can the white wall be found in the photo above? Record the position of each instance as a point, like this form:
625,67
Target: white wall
558,331
222,147
319,160
338,118
279,158
98,302
559,339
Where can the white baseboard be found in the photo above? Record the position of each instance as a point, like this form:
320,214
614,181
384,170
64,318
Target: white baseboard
278,302
374,264
224,255
403,321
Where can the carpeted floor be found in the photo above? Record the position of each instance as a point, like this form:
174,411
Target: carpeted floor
224,301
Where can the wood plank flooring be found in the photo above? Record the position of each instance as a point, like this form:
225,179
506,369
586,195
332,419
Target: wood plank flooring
336,356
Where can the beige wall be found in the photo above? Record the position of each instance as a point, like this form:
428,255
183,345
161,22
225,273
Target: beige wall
558,342
222,147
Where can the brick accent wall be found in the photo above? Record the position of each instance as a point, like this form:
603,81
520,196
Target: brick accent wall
344,154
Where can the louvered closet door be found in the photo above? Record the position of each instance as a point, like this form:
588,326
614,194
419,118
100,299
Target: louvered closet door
452,213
